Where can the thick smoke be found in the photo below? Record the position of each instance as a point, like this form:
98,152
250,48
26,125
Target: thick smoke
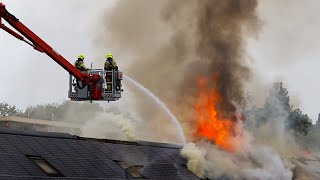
111,126
196,159
218,45
168,45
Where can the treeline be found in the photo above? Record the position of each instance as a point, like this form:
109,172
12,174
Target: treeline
277,107
68,110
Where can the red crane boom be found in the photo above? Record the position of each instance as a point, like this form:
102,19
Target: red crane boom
92,80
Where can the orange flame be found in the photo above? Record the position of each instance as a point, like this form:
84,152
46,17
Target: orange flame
210,125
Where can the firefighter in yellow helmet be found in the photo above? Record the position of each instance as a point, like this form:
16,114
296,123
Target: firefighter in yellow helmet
110,64
79,63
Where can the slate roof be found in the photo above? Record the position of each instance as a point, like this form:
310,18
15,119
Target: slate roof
72,157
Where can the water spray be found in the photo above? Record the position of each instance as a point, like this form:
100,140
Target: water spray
161,105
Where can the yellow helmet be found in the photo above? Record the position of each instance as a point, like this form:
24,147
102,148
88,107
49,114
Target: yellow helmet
81,56
109,55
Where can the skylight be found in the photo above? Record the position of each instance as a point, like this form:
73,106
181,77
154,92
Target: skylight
133,170
45,166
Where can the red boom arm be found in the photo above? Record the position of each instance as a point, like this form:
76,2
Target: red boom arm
36,42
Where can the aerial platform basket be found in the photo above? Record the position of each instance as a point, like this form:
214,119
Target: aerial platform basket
109,86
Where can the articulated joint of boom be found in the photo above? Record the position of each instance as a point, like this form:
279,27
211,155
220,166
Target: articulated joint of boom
5,13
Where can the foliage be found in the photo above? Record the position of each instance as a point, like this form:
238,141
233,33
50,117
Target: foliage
68,110
277,106
9,110
45,111
299,122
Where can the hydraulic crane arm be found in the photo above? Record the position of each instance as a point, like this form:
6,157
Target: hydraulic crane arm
38,44
94,83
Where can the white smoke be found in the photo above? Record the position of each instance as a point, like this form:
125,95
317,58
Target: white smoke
255,162
128,129
110,126
195,157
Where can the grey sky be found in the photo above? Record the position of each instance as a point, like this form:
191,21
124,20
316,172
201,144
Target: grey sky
286,50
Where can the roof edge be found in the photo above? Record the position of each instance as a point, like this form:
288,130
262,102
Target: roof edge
69,136
137,143
36,133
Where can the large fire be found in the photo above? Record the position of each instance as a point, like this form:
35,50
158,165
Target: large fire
210,124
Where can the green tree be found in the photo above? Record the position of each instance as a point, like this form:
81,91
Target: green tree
68,110
299,122
9,110
317,125
277,106
44,111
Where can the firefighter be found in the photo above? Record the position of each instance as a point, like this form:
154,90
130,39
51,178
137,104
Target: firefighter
79,63
110,65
